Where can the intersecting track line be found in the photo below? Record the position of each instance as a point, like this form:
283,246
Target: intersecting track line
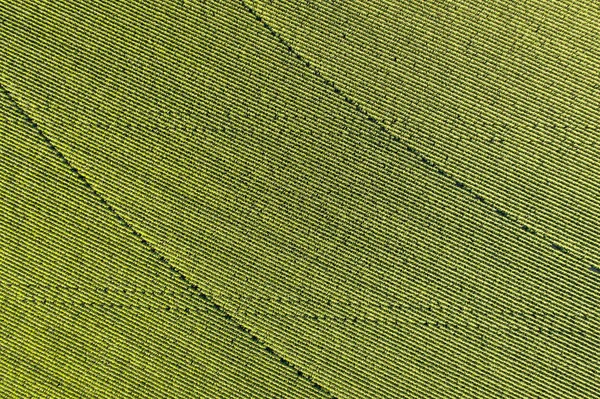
407,147
190,286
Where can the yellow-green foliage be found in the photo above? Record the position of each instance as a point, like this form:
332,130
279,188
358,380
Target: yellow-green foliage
361,265
504,95
87,311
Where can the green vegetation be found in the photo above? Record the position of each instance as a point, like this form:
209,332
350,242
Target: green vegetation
503,95
87,311
357,262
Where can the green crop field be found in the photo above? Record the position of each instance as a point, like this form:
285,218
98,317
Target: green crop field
86,310
503,95
292,199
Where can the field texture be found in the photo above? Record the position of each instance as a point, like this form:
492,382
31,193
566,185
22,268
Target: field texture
87,310
338,199
502,95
